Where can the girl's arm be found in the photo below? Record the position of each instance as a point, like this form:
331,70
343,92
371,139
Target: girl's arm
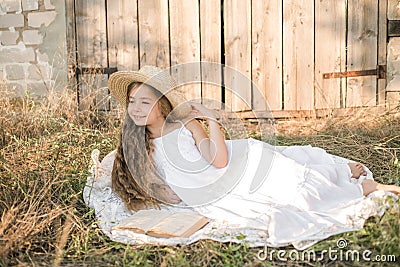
212,147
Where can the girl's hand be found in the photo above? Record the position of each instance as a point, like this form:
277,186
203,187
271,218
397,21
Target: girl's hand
211,146
200,111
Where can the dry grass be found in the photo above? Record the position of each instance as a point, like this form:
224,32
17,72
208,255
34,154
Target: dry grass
44,160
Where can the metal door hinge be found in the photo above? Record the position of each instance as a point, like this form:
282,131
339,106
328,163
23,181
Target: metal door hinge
80,71
379,72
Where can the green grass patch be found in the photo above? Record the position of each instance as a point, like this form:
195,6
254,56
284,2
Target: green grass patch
44,162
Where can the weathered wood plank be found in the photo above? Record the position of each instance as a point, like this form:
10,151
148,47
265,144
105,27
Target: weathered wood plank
330,51
102,96
92,47
267,54
71,46
93,91
153,33
71,35
210,39
123,45
91,33
362,51
185,45
382,48
298,54
254,37
317,113
237,34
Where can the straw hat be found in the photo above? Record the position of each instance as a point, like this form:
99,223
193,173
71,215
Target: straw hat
159,79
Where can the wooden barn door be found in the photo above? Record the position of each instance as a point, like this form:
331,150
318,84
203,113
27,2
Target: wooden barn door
302,55
350,53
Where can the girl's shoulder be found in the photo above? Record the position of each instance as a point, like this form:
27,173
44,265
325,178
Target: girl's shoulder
171,126
168,128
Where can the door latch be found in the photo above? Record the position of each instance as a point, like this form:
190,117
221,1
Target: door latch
379,72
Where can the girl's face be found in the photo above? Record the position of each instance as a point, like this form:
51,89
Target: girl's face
143,106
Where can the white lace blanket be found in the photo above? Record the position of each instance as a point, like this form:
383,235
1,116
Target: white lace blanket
110,210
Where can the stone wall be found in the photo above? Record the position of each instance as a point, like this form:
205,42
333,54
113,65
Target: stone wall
32,46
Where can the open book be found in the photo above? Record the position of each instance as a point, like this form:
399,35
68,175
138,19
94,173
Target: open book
163,223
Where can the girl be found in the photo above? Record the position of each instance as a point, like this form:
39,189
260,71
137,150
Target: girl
165,155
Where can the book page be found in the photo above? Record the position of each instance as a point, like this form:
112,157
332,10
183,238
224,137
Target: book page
181,224
142,220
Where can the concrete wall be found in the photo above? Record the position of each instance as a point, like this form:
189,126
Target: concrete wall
393,59
33,55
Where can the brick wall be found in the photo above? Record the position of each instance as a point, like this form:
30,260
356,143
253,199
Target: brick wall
32,46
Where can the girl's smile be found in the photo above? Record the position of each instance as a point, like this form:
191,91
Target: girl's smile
138,117
142,107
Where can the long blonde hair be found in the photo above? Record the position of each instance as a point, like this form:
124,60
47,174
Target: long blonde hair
134,177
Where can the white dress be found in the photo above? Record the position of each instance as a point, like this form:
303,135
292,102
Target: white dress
296,193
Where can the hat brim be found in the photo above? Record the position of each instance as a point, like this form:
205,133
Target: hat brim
119,82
